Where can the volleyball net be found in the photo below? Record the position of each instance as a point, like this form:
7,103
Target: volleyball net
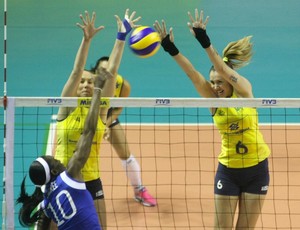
177,146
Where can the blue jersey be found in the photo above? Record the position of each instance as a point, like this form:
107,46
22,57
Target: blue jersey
69,204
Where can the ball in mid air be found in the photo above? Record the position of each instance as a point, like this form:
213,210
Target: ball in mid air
144,41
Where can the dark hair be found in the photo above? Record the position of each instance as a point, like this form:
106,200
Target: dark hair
37,173
94,68
27,216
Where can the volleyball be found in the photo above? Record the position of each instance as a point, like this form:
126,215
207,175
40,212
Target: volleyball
144,41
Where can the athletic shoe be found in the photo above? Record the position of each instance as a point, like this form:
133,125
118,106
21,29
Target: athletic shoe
142,195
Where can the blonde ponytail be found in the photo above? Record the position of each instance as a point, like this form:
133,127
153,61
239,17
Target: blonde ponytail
238,53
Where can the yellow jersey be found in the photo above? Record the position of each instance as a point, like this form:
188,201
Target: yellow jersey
68,133
243,144
119,85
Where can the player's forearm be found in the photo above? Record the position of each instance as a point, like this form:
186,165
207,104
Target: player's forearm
93,114
81,55
116,57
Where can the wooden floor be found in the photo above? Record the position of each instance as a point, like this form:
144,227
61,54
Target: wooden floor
178,166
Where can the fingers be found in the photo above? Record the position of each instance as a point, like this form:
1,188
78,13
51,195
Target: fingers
126,13
118,18
156,26
79,25
93,17
132,15
191,17
137,19
164,27
198,22
86,21
171,35
161,29
119,21
197,15
100,28
206,20
201,19
87,17
133,20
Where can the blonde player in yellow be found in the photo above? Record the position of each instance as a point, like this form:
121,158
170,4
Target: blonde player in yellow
70,120
117,138
242,177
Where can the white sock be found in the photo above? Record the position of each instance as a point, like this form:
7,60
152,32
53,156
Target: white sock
133,171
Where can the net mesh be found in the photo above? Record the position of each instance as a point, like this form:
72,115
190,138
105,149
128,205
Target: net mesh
177,147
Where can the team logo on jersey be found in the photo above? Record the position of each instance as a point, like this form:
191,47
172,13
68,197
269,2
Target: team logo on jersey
234,126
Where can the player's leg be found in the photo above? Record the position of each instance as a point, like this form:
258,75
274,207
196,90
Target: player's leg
250,207
101,210
225,207
227,192
253,195
119,142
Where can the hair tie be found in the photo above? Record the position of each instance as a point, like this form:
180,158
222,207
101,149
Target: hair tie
46,168
225,59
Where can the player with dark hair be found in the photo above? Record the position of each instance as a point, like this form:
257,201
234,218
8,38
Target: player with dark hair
116,136
70,119
65,200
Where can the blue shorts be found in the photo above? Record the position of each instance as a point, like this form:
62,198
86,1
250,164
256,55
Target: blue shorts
233,181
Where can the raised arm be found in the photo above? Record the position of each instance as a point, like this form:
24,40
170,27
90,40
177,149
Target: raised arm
89,31
85,141
200,83
197,26
124,28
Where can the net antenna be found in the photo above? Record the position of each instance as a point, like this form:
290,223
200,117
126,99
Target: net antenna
4,106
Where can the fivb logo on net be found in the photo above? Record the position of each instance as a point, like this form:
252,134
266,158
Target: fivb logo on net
269,102
162,101
54,101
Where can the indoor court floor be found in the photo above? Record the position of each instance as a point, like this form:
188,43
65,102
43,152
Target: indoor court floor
179,171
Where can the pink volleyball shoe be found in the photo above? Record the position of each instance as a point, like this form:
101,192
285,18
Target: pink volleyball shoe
142,195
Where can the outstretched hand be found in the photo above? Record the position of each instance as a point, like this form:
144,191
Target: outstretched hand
167,40
162,30
88,25
197,22
129,22
101,77
198,28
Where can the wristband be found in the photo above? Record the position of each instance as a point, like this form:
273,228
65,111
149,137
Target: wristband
125,29
202,37
169,46
121,36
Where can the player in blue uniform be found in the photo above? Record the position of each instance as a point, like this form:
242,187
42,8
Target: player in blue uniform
65,200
